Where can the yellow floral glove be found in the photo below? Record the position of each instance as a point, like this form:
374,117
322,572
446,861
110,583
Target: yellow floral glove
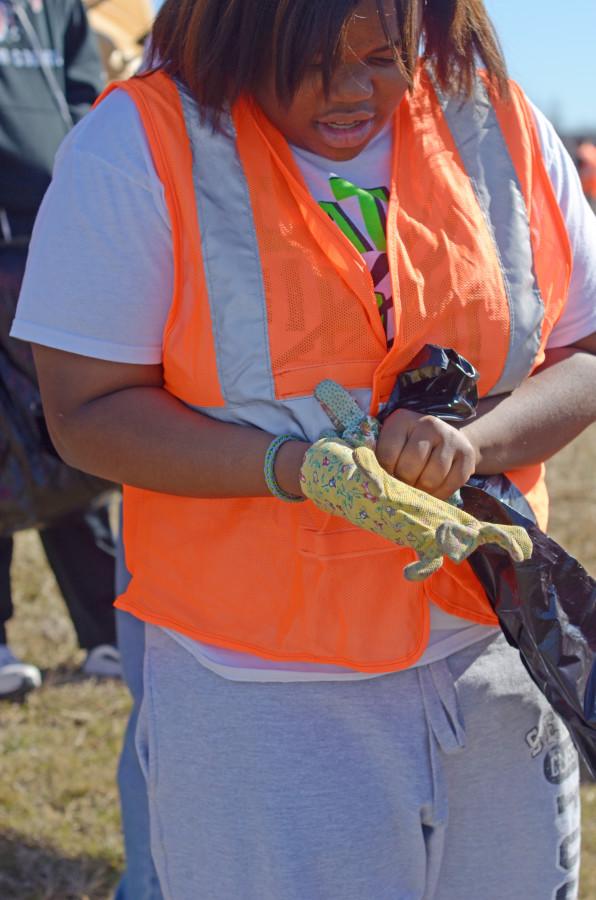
350,482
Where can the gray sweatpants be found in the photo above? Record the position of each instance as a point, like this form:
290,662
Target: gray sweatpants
452,781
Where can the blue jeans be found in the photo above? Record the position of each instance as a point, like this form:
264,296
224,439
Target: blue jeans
139,881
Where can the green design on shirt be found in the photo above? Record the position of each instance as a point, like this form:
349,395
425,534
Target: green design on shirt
369,207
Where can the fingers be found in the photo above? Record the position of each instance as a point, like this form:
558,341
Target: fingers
426,453
457,541
423,568
395,434
456,470
411,465
515,540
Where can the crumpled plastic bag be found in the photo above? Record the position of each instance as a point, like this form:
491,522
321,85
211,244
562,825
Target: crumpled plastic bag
547,609
437,382
36,487
546,606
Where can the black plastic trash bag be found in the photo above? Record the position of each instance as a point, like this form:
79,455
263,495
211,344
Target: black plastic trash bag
546,606
547,609
437,382
36,487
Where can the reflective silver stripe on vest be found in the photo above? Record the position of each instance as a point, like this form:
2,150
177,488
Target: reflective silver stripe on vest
300,416
231,261
482,148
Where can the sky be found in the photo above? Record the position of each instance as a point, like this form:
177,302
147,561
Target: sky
550,47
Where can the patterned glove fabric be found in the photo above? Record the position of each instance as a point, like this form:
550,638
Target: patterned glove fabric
348,420
350,482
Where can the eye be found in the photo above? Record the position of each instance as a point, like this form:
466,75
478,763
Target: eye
381,61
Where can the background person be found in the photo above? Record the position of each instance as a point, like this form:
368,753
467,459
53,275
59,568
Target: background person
278,764
120,27
585,159
50,74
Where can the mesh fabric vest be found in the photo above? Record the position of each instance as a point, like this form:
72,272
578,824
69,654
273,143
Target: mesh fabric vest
270,298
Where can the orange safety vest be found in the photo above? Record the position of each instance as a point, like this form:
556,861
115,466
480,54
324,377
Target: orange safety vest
270,298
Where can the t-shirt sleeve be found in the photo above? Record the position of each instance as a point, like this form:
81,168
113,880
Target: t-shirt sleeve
99,273
578,319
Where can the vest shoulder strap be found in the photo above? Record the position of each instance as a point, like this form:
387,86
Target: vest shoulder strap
158,101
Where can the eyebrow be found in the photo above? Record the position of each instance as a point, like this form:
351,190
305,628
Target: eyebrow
380,49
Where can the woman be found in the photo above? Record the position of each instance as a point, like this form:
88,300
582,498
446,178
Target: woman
314,724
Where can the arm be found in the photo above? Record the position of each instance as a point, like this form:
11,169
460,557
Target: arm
117,421
83,75
542,416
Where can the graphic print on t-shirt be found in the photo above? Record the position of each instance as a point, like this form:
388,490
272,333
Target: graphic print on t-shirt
361,214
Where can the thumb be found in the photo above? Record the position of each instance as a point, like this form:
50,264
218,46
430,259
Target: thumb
369,465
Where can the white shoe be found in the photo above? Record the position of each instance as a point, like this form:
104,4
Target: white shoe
103,662
16,678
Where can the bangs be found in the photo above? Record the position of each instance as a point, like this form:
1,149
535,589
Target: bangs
306,34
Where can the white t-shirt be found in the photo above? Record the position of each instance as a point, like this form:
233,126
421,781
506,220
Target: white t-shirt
99,285
355,195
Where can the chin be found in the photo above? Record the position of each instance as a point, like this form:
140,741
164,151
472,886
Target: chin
348,153
342,155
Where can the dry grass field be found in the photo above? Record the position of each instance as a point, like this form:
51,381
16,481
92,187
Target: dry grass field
59,826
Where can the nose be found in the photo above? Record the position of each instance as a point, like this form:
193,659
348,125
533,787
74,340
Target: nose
351,84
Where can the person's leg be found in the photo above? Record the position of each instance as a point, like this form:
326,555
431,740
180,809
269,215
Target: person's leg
514,825
12,266
139,881
5,589
16,677
80,551
284,791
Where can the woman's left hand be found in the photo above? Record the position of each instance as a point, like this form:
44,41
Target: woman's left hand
426,452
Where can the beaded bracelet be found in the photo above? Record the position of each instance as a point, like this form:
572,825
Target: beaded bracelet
270,455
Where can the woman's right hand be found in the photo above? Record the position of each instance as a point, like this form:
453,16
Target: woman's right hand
426,453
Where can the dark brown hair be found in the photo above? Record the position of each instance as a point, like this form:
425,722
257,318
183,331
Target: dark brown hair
223,48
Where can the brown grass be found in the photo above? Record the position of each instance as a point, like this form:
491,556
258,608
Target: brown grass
59,823
59,817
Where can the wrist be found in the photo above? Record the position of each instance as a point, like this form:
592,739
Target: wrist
472,434
492,452
288,462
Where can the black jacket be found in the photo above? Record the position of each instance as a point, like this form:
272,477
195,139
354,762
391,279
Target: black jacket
31,125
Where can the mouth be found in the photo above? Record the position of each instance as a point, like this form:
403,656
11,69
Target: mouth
344,130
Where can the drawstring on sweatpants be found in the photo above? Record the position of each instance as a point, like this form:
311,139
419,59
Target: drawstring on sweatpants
441,706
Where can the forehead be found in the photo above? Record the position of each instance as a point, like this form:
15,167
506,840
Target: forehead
370,23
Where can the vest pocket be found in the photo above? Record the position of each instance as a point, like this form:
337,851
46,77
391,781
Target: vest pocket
357,606
344,541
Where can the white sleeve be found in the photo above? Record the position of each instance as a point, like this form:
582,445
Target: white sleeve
578,319
100,272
